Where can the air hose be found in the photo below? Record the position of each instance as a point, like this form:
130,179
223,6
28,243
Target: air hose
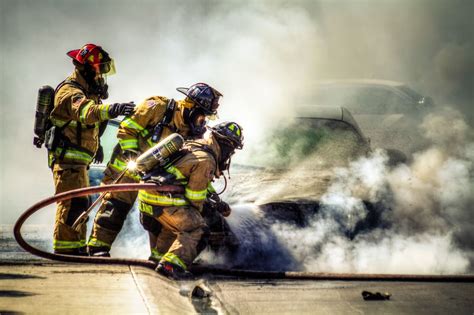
196,269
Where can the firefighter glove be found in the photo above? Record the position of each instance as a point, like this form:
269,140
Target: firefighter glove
213,198
223,208
118,109
99,155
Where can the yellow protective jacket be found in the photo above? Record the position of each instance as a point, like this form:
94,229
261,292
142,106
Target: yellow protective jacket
195,170
83,112
135,131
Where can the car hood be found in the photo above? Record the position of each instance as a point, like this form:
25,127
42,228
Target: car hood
289,186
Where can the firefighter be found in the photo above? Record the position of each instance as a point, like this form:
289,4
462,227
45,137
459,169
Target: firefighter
77,117
154,119
184,233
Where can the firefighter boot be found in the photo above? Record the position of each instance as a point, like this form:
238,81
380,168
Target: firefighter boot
108,222
102,251
81,251
173,271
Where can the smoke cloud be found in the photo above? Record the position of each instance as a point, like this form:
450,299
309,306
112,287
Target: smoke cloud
425,221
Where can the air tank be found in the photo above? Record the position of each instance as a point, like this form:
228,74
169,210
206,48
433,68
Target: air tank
159,154
44,106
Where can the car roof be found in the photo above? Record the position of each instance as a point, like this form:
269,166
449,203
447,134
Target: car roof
371,82
328,112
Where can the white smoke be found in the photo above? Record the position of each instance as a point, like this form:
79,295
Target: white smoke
428,228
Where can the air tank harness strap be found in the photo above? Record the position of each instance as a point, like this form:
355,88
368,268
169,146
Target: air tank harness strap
64,142
61,140
165,122
196,146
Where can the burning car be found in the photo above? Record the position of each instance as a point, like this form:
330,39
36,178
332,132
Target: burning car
286,182
293,170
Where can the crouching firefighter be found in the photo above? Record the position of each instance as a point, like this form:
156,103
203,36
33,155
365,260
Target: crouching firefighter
184,231
153,120
71,125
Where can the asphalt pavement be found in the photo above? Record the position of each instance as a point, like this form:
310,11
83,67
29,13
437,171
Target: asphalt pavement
32,285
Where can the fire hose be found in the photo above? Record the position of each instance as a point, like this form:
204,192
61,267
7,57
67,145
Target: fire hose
197,270
80,193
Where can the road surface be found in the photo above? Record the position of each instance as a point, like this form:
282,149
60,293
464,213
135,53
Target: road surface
32,285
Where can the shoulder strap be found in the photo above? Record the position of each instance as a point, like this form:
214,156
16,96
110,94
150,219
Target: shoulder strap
196,146
78,125
168,116
165,122
71,82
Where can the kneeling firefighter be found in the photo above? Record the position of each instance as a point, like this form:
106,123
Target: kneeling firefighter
184,233
153,120
71,134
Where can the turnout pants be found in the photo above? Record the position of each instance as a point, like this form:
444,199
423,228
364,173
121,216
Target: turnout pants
181,234
112,213
69,177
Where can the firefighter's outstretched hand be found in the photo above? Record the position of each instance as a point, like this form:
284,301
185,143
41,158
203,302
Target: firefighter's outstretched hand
118,109
223,208
99,155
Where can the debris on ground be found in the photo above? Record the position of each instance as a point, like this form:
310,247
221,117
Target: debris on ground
377,296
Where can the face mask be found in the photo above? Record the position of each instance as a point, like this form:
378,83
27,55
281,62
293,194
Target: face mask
101,87
197,122
226,153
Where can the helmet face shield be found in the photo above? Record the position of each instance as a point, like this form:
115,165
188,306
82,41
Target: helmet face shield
105,68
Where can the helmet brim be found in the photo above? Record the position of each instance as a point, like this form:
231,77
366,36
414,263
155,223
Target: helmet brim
73,53
183,90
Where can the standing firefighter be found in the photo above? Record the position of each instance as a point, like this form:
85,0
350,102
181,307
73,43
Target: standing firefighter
185,232
73,139
154,119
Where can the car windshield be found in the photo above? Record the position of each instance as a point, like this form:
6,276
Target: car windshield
362,99
414,95
310,143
